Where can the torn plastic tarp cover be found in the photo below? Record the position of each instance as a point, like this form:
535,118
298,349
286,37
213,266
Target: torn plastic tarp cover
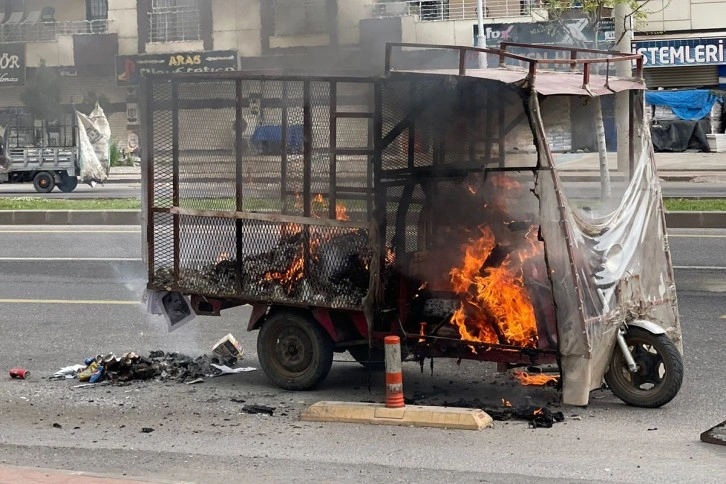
94,136
594,298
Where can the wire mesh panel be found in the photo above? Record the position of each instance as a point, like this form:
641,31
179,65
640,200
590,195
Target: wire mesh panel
161,142
251,196
205,120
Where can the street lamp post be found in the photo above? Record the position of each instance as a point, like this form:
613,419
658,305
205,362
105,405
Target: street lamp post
481,40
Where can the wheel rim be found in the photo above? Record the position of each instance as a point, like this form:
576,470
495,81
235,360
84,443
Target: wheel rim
293,350
43,182
652,371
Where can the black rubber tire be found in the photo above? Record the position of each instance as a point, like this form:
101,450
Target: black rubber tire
375,361
662,392
44,182
68,184
294,350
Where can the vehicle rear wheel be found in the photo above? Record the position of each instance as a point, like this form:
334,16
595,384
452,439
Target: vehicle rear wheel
294,350
374,361
68,183
659,375
44,182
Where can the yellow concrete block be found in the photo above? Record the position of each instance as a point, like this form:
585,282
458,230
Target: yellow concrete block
411,415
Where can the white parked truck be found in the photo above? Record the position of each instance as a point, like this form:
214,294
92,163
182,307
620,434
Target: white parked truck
45,154
55,154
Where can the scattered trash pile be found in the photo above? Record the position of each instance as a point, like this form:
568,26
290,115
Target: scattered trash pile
158,365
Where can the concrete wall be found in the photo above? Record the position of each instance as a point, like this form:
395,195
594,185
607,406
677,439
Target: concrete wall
54,54
122,17
448,32
64,9
350,12
236,26
670,15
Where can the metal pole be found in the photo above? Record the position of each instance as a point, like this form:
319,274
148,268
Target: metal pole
481,40
624,36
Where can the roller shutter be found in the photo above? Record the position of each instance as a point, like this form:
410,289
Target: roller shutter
691,76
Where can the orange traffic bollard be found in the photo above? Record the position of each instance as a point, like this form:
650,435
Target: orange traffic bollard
394,377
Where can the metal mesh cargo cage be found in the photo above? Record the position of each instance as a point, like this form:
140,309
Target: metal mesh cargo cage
260,187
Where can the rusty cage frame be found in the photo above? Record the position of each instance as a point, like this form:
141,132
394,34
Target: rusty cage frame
227,213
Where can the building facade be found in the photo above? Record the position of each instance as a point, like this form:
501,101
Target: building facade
105,46
683,43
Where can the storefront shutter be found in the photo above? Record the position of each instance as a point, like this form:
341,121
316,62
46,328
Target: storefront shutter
691,76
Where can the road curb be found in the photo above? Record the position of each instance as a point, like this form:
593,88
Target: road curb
675,220
408,416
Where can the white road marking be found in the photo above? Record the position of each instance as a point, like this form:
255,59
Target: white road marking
702,268
70,232
72,259
68,301
697,236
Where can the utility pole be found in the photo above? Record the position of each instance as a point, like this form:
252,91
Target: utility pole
624,36
481,39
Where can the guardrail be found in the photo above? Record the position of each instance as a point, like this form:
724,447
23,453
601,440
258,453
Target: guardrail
575,57
49,31
433,10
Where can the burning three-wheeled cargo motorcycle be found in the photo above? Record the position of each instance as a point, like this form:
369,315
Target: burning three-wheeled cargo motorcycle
488,212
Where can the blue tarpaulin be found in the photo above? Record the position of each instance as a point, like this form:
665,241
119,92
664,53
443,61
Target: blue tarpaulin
690,105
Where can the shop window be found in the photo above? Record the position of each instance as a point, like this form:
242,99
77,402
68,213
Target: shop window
300,17
174,20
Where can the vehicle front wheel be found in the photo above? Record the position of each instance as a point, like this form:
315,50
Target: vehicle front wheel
68,184
44,182
659,375
294,350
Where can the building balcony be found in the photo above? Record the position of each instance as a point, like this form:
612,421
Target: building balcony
50,31
442,10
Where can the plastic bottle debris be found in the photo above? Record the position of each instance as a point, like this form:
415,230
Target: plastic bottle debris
86,374
97,375
68,372
226,370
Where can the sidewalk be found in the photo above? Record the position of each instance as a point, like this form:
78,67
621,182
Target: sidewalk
686,165
683,166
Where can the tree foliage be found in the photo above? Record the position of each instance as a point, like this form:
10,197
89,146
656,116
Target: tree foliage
595,10
42,94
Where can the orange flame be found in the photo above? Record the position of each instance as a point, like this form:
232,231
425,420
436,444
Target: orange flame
506,403
390,256
540,379
290,229
292,275
495,301
538,411
341,212
222,257
422,333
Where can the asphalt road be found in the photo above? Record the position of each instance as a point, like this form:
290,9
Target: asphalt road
70,292
132,189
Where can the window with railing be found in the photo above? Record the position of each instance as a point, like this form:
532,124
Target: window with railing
96,9
174,20
299,17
